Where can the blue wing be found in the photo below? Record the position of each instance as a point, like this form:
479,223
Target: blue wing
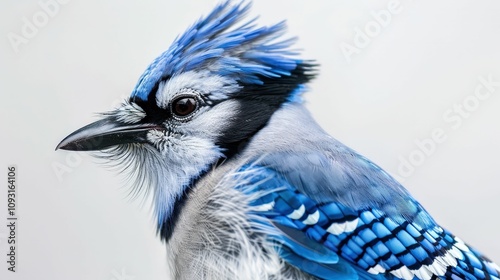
355,222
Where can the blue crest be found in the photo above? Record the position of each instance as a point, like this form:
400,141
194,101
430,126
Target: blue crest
218,43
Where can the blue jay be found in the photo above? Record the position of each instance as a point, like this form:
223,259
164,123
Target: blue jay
246,185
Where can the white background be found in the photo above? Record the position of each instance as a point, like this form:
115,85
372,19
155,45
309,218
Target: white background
79,224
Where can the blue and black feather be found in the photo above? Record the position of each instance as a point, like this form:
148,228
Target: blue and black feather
255,57
366,243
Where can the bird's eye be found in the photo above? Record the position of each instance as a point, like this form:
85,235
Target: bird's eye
184,106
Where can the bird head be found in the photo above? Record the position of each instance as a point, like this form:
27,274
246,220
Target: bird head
199,102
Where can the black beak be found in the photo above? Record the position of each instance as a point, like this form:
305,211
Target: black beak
105,133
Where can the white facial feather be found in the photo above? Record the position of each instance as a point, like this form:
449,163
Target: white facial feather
214,86
129,113
188,149
212,122
184,158
184,149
